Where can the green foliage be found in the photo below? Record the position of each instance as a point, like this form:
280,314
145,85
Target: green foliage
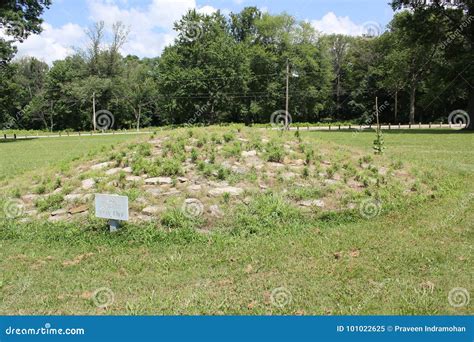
379,143
51,202
274,152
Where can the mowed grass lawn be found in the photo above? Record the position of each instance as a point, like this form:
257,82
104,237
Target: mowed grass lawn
401,262
22,155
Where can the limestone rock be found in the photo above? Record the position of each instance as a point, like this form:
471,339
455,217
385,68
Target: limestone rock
194,188
215,211
158,180
312,203
59,212
133,178
113,171
100,166
78,210
88,184
151,211
247,154
232,191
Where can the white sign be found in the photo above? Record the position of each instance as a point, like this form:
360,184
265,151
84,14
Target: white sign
112,207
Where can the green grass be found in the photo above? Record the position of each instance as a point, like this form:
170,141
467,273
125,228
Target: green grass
21,156
404,261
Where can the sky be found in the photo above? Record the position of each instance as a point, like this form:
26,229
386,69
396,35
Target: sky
151,21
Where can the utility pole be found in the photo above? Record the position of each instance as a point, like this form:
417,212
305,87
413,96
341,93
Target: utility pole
287,93
93,112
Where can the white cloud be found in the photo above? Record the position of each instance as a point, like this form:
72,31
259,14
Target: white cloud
331,23
52,43
151,28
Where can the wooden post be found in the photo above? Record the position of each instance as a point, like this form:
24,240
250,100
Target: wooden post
399,125
287,105
430,124
377,113
441,124
14,136
329,127
389,126
409,125
349,127
5,136
93,112
339,127
419,126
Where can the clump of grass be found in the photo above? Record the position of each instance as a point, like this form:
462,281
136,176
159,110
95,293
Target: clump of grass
194,155
233,150
212,157
303,193
57,183
222,173
201,142
397,165
175,219
215,139
305,172
228,136
265,214
170,167
274,153
40,189
366,160
143,150
309,156
51,202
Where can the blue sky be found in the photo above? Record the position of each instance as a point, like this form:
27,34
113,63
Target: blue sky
151,21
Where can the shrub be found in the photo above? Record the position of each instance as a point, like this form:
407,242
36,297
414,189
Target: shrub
175,219
51,202
228,137
194,155
170,167
275,153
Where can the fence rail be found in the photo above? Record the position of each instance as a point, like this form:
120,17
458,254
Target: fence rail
296,127
386,127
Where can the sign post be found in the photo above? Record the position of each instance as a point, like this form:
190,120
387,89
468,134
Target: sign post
112,207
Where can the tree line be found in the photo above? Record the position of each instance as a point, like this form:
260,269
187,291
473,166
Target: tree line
235,69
